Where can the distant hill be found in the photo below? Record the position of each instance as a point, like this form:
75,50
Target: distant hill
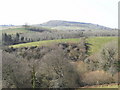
6,25
59,24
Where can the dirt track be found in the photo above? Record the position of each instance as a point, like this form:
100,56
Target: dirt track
105,85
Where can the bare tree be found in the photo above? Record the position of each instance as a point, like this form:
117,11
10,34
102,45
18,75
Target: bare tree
63,74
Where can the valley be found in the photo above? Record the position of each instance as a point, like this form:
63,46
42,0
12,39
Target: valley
60,54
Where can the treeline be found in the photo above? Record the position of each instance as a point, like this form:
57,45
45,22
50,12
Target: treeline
39,34
50,34
37,29
63,65
8,39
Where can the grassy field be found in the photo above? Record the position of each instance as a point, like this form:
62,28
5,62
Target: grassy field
97,42
68,28
20,30
14,30
46,42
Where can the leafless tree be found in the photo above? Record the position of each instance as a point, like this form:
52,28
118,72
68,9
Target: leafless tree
63,74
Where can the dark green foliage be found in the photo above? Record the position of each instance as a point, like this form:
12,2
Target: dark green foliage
22,39
6,39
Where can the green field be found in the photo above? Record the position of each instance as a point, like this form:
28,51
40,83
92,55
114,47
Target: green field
97,42
21,30
68,28
46,42
14,30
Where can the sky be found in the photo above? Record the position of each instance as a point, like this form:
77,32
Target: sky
19,12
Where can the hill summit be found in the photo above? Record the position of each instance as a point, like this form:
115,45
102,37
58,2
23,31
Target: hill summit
56,23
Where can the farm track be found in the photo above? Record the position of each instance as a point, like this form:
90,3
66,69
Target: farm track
113,85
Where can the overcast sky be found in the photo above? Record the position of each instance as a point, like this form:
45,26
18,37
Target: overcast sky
102,12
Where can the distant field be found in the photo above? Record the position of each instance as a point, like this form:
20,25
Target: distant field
97,42
14,30
68,28
20,30
72,28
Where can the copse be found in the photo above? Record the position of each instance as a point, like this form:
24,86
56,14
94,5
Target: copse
60,65
64,75
8,39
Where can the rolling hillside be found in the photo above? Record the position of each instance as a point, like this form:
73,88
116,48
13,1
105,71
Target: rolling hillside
57,25
97,42
67,25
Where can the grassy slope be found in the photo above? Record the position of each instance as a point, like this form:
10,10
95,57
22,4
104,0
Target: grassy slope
46,42
97,42
67,28
14,30
20,30
70,28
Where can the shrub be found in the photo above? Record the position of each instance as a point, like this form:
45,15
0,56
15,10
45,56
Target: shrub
80,67
97,78
116,77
